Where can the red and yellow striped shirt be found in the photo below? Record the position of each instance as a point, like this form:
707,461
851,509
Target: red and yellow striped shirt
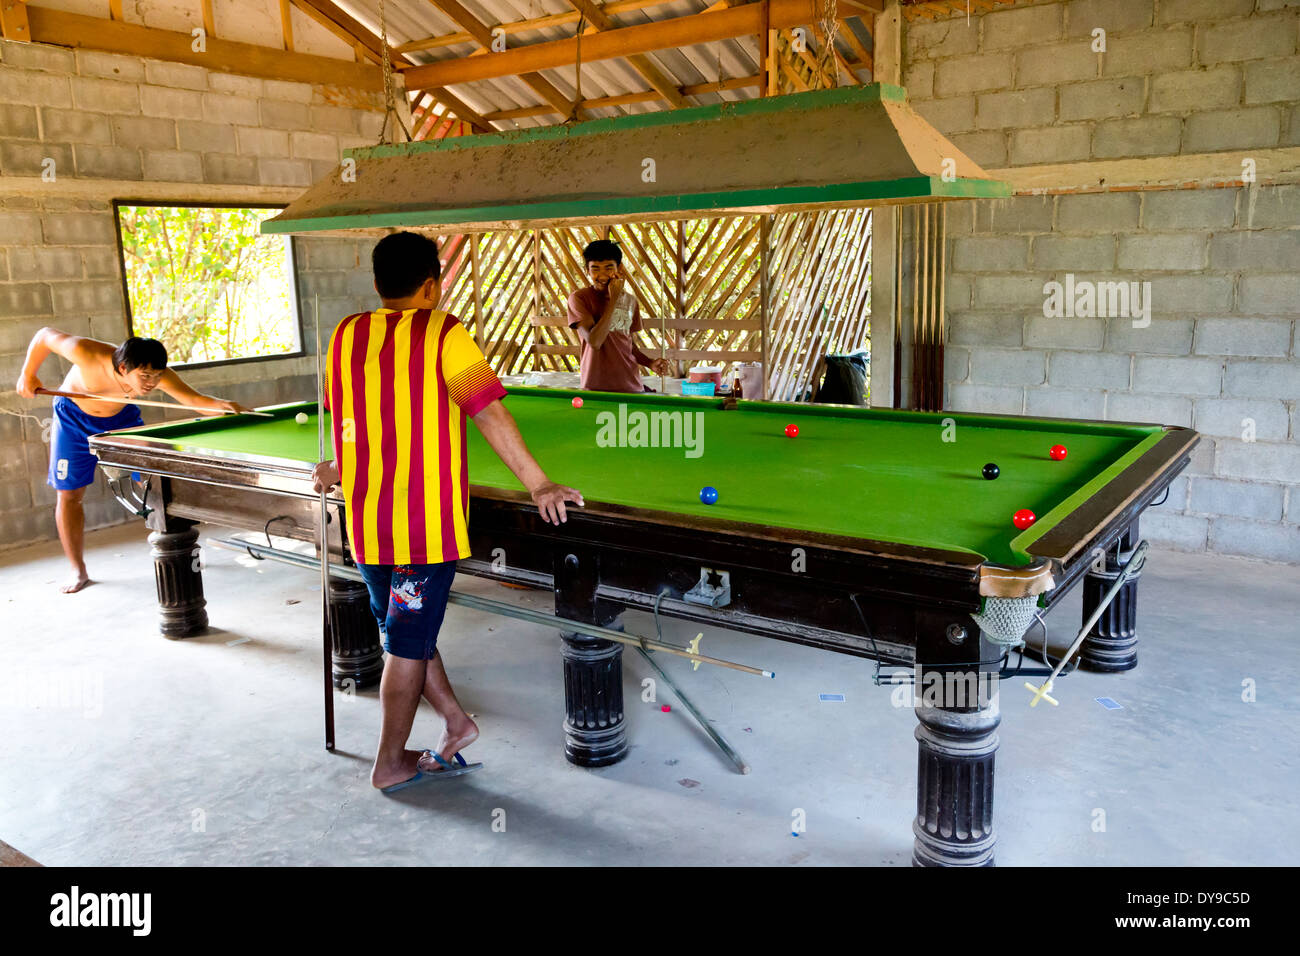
399,387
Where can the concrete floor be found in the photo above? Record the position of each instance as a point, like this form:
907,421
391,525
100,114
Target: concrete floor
121,747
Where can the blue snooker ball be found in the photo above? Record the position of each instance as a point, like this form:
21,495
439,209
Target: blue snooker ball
709,495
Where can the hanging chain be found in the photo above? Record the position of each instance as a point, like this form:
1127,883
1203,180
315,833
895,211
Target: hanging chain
830,24
390,85
577,68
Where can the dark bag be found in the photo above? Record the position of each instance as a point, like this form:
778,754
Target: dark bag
845,382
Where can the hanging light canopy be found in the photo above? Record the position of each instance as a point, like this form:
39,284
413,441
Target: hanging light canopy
852,146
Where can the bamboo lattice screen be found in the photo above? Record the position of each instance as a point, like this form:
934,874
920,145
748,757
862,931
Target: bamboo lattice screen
699,283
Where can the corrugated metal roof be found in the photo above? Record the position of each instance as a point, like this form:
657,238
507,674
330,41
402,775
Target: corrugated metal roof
408,22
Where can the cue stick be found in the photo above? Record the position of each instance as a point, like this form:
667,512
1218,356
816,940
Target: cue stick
141,401
326,638
500,608
1134,565
723,744
663,349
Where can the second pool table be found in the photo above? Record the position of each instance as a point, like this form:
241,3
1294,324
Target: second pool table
872,533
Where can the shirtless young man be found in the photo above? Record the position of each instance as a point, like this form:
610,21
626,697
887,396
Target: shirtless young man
133,369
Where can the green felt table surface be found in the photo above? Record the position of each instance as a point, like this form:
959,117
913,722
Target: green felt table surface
904,477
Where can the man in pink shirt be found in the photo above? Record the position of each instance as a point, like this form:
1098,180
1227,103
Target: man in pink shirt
607,316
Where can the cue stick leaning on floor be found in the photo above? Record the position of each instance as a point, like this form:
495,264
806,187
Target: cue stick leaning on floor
663,349
141,401
328,643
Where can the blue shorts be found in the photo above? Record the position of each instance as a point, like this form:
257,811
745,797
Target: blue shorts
409,601
72,466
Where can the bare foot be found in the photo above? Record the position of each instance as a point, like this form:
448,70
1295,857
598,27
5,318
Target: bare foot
454,738
389,774
83,580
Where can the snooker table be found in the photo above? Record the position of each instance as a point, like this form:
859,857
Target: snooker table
871,533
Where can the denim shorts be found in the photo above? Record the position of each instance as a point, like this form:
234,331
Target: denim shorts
409,601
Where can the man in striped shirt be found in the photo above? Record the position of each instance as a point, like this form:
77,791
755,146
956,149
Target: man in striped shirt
400,382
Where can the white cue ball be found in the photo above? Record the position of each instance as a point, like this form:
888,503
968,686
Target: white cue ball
301,418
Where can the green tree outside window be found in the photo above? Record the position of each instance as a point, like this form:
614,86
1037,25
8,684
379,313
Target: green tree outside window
207,284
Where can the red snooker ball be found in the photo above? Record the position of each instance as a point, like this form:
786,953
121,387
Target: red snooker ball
1058,453
791,431
577,403
1023,518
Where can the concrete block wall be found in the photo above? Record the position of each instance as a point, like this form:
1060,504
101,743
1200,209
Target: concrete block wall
1020,87
113,121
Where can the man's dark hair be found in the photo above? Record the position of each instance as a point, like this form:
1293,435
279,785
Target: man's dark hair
602,250
137,352
403,262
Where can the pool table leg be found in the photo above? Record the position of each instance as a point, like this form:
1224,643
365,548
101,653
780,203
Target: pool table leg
595,731
182,609
358,656
956,744
1111,644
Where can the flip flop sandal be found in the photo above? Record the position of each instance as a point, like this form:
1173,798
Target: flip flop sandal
459,768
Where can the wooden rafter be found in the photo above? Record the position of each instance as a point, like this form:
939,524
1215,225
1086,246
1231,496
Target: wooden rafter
482,35
657,78
348,29
209,18
462,111
623,42
14,24
865,59
732,83
286,25
525,26
93,33
841,64
945,9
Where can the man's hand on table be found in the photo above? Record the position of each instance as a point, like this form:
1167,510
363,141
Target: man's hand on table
550,498
226,406
325,476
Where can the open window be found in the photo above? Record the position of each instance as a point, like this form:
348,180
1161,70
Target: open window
206,283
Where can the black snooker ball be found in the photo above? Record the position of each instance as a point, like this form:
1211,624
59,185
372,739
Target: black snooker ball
991,471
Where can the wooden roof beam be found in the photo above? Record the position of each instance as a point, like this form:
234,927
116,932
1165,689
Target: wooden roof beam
342,23
865,59
286,25
482,35
651,73
649,96
624,42
224,56
348,29
453,103
841,64
14,24
523,26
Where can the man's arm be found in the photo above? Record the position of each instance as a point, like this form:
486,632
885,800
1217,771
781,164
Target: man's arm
657,365
499,428
74,348
594,330
175,386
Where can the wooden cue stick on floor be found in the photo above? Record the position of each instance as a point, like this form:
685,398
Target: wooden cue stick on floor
141,401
